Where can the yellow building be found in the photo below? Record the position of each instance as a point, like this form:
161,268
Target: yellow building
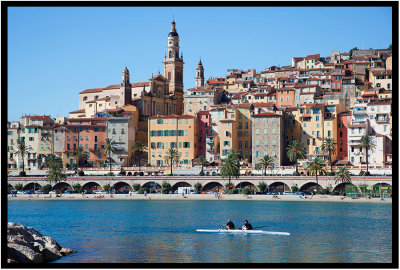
227,138
243,111
172,131
291,125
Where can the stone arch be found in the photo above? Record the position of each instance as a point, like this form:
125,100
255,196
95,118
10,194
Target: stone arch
215,186
31,186
11,187
151,185
310,186
247,185
62,186
382,187
180,184
383,184
342,187
120,186
278,187
91,186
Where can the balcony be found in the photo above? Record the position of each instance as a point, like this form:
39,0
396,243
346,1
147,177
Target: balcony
359,112
382,119
210,140
94,149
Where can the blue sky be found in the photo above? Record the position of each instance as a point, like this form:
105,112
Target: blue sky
54,53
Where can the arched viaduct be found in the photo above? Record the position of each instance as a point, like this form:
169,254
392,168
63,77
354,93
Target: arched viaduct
274,183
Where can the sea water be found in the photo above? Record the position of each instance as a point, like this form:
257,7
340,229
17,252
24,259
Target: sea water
129,231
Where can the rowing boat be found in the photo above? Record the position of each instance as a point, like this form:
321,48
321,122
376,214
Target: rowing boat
242,232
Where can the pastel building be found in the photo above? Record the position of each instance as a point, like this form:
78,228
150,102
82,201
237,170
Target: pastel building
344,119
204,128
172,131
244,129
13,130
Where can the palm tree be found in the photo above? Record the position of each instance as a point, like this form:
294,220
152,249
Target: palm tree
108,148
22,149
138,147
367,142
203,162
329,146
343,176
316,166
55,173
53,159
296,151
78,154
266,161
172,156
231,166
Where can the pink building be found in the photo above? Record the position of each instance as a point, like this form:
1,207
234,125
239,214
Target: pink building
204,129
344,119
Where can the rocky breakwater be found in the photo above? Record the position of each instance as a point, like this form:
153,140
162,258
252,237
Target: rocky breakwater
26,245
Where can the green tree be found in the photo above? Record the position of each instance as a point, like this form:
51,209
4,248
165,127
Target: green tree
317,166
165,187
266,162
172,157
18,186
106,187
47,188
77,188
108,148
390,46
204,163
136,187
262,186
231,166
55,173
53,159
343,176
198,186
22,150
79,154
138,148
296,151
329,147
351,52
368,143
294,188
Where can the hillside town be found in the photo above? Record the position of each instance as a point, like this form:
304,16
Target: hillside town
339,98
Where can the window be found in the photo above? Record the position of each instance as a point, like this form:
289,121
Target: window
87,138
226,143
246,134
186,121
273,131
31,139
246,144
258,143
329,133
186,145
274,153
257,131
247,125
265,143
240,144
240,125
265,131
274,142
123,130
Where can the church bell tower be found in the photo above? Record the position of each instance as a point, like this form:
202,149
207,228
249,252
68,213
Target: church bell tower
199,75
173,68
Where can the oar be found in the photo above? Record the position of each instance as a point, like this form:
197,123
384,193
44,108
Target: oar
221,228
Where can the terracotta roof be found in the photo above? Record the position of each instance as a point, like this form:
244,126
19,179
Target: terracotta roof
104,98
267,114
381,72
263,104
286,89
239,95
379,102
78,111
306,115
173,116
313,56
291,109
87,119
243,105
36,116
113,86
203,112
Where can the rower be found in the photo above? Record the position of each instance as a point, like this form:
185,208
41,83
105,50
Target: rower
247,226
229,225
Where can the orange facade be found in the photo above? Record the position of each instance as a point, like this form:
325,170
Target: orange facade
89,133
285,97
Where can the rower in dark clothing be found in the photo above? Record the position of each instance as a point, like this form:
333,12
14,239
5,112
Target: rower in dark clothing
247,226
229,225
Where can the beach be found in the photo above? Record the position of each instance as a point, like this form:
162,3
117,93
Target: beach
321,198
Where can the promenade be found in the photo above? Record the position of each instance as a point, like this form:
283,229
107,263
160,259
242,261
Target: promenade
224,197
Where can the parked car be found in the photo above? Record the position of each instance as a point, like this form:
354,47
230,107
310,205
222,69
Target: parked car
125,191
20,192
69,192
53,192
288,193
100,192
39,192
28,192
132,192
87,192
272,193
13,191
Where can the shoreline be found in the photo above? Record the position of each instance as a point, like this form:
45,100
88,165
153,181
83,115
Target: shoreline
190,197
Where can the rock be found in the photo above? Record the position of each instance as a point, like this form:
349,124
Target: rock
26,245
66,251
23,254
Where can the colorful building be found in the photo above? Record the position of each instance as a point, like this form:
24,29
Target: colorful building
204,128
344,119
172,131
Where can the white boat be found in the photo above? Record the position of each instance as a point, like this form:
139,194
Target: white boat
243,231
